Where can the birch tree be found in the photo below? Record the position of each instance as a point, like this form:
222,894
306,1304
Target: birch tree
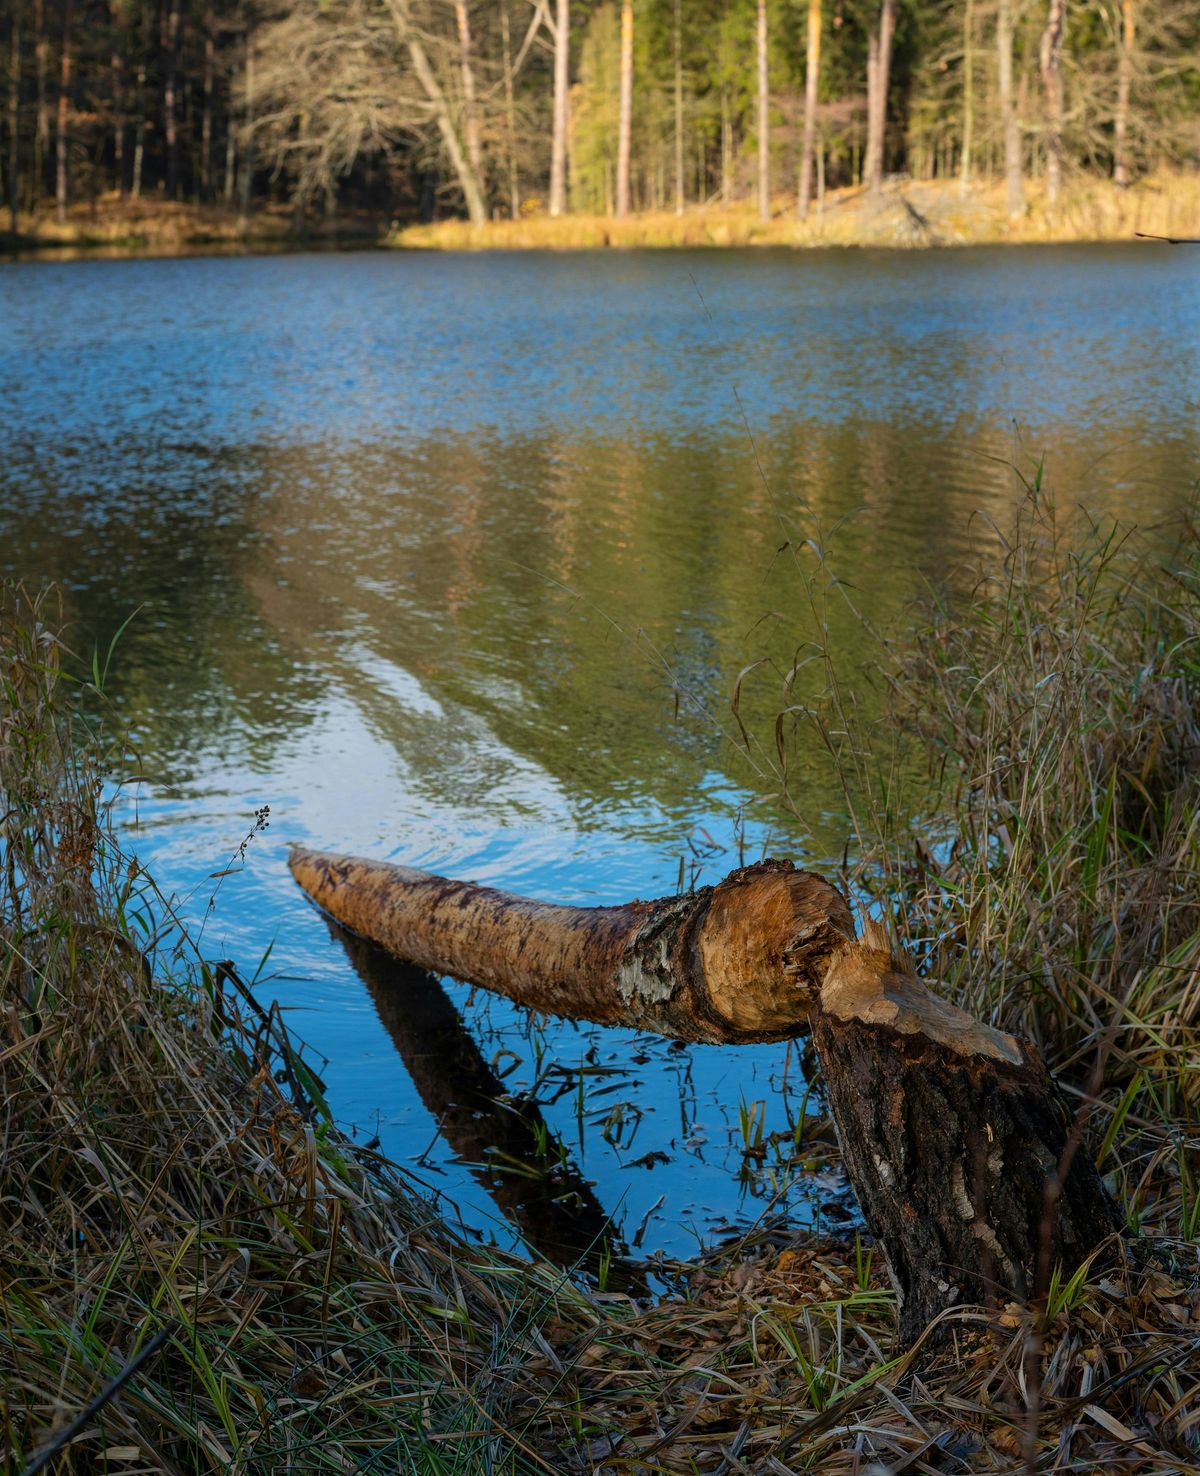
1014,181
812,82
1050,61
625,119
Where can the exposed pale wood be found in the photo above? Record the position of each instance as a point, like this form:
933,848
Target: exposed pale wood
740,961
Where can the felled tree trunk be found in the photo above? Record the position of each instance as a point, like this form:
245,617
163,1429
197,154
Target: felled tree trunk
730,963
958,1143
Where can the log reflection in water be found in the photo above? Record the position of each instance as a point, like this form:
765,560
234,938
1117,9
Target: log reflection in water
503,1140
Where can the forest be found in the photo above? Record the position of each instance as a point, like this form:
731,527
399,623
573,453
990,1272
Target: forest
494,109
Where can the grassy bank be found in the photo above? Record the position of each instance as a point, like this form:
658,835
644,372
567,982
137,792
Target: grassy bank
911,215
178,1210
156,227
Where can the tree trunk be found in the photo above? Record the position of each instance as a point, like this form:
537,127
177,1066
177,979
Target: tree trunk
139,142
726,150
510,116
206,116
1124,85
962,1151
730,963
764,117
41,137
562,94
812,80
170,90
1050,61
879,44
679,112
1008,110
966,1161
14,121
470,107
464,171
64,104
230,142
968,128
248,135
117,73
625,119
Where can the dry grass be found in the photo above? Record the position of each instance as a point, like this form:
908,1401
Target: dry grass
913,214
168,1166
154,226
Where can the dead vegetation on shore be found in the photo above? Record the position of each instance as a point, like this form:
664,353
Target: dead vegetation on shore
912,214
179,1212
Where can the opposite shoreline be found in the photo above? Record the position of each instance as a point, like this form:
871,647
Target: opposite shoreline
911,215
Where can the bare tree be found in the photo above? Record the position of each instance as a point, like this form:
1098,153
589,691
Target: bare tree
812,79
1050,60
678,38
510,115
764,118
968,120
879,65
1008,109
562,95
470,112
625,122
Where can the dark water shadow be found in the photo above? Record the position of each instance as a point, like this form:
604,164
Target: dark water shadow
502,1139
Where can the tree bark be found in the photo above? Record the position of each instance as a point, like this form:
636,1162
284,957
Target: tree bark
1050,62
206,116
64,104
812,80
1124,86
964,1156
41,137
562,94
961,1149
139,141
1008,109
729,963
14,121
726,150
510,116
625,118
117,73
764,118
968,128
470,106
170,90
678,37
879,44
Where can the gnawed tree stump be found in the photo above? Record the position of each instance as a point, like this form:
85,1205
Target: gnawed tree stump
956,1139
958,1142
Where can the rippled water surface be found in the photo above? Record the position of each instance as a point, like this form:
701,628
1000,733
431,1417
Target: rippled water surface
456,559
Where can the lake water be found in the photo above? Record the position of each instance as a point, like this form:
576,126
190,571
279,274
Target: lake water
455,560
